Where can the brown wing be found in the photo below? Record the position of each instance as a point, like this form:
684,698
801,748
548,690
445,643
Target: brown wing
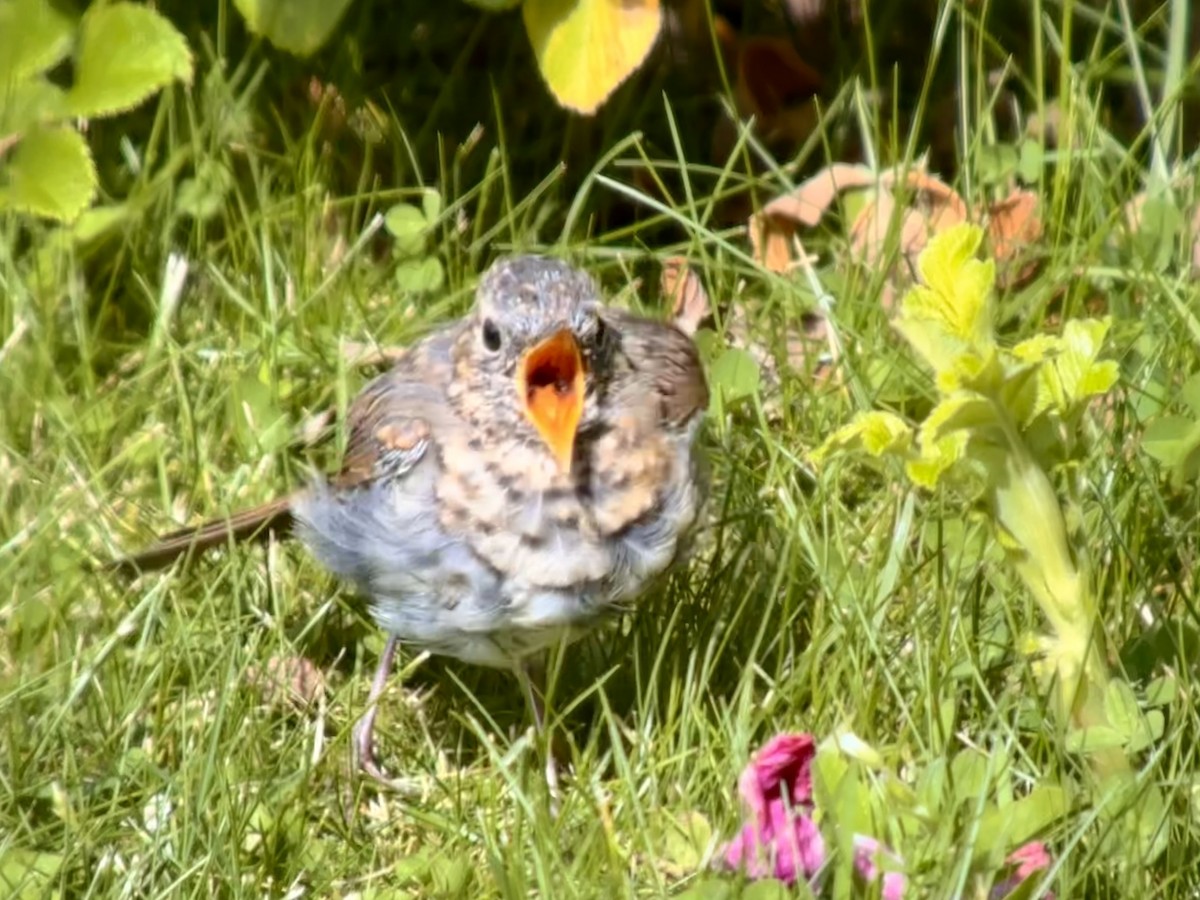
668,358
390,424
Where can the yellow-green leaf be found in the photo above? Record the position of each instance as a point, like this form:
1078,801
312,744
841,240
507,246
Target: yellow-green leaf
586,48
49,173
875,433
961,411
34,36
952,311
29,102
126,52
937,457
297,26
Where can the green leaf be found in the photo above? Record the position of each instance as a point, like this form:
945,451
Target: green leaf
1093,739
1168,439
1159,225
876,433
586,48
1012,824
997,163
420,275
709,889
298,26
937,458
33,101
431,205
968,776
687,836
27,873
49,173
766,889
408,226
1150,729
34,37
1162,691
735,374
127,52
1032,159
1190,393
1121,708
961,411
98,221
202,196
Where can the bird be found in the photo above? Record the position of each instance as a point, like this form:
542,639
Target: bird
516,478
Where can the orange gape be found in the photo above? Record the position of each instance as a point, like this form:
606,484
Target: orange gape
550,379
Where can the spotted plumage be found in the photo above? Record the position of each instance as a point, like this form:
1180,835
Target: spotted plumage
516,476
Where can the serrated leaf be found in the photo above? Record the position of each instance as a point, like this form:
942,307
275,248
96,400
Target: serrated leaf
876,433
408,226
420,275
49,173
735,374
127,52
33,101
34,37
586,48
297,26
952,311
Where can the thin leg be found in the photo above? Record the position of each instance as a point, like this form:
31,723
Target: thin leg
532,676
364,728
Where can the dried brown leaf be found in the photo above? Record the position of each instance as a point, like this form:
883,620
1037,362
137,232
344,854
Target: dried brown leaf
811,199
1013,223
682,286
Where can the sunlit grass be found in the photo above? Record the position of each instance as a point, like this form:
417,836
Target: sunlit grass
145,753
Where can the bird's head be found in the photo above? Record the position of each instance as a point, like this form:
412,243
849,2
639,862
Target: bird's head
532,338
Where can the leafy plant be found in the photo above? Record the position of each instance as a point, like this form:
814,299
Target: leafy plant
417,270
122,54
585,48
1004,421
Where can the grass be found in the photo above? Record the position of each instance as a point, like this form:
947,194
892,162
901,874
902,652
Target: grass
144,749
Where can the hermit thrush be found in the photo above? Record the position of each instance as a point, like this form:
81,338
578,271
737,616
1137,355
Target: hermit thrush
516,477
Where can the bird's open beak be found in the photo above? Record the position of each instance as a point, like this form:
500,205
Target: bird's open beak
550,382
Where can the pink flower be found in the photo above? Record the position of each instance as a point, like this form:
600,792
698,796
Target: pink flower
867,853
1029,859
779,839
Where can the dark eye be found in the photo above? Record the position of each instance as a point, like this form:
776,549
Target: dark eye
491,335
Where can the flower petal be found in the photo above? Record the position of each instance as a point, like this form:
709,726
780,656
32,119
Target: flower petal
1029,859
867,853
785,762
